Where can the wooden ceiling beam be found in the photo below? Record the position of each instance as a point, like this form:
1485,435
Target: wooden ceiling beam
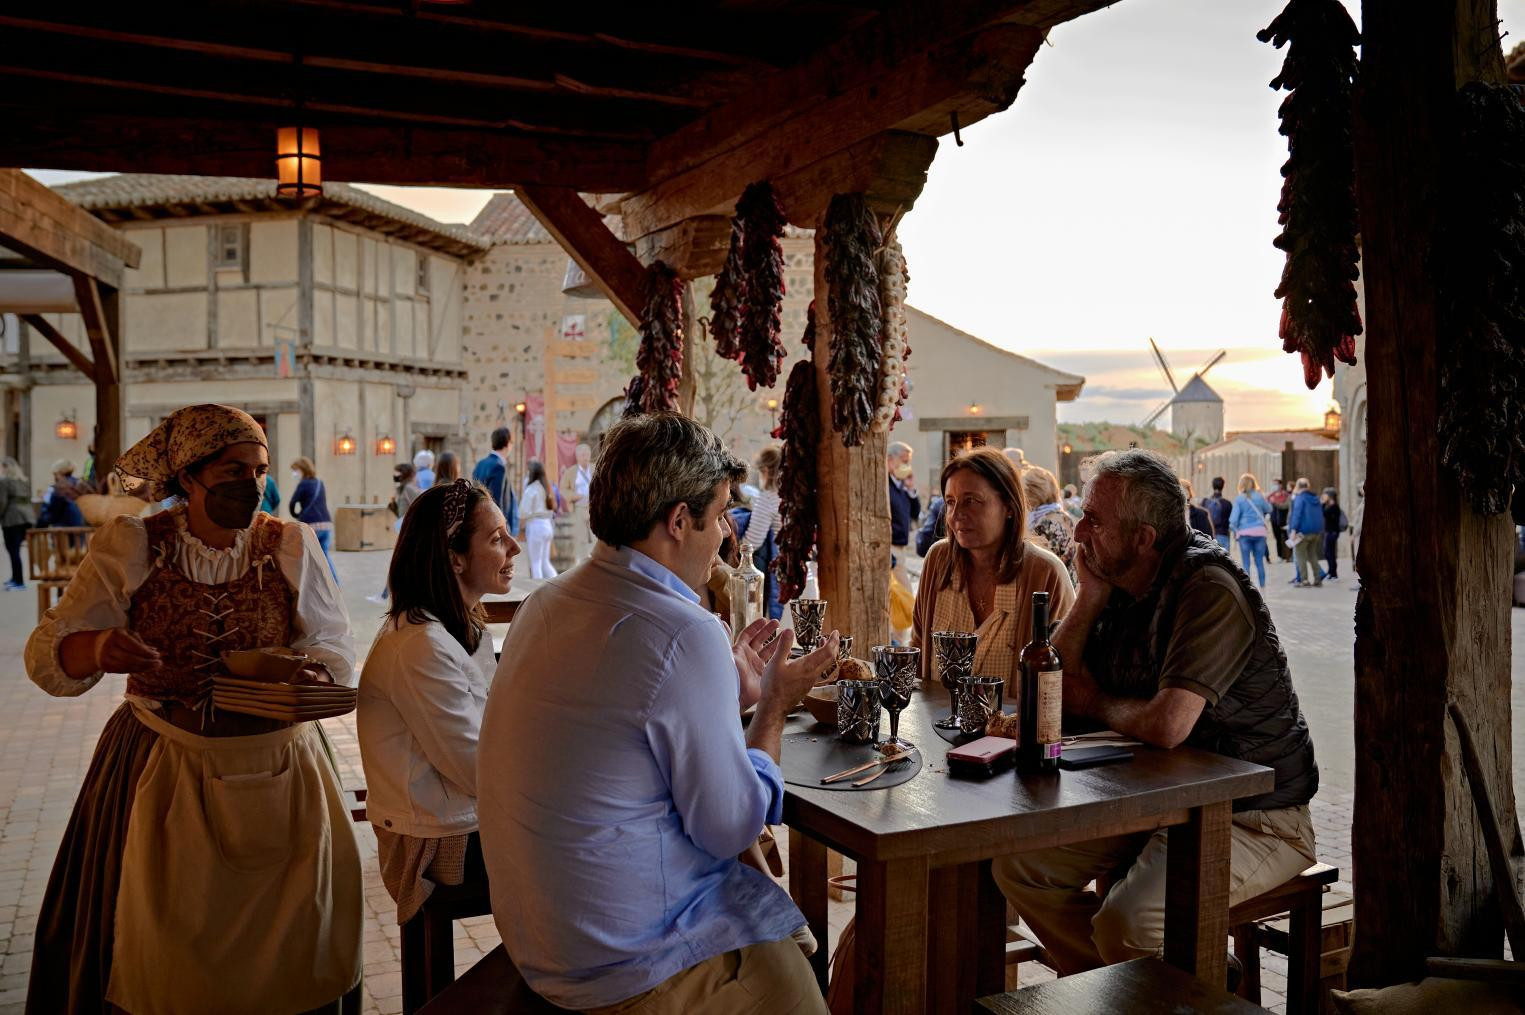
88,294
693,248
52,231
973,77
40,324
889,169
582,234
208,145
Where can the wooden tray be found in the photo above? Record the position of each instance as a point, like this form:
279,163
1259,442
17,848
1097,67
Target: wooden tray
284,712
228,683
285,696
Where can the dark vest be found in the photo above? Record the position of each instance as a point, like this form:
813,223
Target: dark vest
1256,720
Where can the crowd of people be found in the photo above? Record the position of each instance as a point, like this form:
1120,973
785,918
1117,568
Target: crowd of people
621,874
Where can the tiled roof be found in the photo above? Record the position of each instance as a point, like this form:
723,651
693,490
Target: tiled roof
1276,440
505,220
147,190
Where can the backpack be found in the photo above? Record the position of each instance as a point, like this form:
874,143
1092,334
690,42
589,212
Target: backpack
1343,523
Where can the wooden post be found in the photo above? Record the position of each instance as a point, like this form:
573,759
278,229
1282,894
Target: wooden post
854,549
688,385
110,421
1432,618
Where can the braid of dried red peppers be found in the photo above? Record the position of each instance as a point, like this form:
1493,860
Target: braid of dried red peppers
762,258
799,516
729,297
660,356
1319,317
852,238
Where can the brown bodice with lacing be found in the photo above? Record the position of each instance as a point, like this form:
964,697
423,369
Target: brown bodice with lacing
192,624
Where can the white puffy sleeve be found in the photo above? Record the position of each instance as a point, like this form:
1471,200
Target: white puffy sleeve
321,621
97,598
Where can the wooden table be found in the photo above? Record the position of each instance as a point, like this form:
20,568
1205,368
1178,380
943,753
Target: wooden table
930,920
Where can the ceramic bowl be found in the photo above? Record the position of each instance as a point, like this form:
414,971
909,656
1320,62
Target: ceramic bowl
275,664
821,703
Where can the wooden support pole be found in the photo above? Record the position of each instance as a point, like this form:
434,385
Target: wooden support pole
55,337
582,234
1432,617
102,343
688,384
853,566
110,419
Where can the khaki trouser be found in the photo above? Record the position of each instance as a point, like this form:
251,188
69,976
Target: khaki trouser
1080,931
1305,558
761,978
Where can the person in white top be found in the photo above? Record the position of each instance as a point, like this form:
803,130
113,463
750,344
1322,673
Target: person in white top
764,523
423,690
535,509
575,482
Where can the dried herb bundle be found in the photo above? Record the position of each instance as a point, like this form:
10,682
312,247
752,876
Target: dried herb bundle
799,514
1319,317
1480,274
728,298
660,356
897,343
857,317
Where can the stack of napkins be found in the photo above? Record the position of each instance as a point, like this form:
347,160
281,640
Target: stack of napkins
287,702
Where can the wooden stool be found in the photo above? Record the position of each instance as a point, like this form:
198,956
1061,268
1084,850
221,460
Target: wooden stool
491,987
53,555
1299,899
1139,987
428,941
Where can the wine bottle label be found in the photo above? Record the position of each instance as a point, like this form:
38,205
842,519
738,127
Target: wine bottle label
1050,706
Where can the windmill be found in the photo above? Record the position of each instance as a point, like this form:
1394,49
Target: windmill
1196,410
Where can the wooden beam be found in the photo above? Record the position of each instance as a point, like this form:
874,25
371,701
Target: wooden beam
40,324
582,234
102,341
693,248
1432,614
207,145
889,169
110,415
701,168
54,232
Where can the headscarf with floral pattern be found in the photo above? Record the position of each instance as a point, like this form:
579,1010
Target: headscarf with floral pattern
186,437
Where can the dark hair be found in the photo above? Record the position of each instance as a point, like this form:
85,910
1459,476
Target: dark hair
500,438
447,467
649,464
768,461
537,474
402,472
1217,482
996,469
421,580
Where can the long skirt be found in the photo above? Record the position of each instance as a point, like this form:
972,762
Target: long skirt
237,888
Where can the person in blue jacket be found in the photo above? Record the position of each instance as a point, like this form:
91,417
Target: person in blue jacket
492,473
1307,525
1249,524
1219,508
309,505
271,502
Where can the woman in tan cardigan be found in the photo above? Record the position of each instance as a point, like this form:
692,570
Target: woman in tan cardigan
982,577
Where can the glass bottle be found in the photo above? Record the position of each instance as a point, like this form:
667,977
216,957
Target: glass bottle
745,590
1042,696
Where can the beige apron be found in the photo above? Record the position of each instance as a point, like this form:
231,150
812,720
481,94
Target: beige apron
241,887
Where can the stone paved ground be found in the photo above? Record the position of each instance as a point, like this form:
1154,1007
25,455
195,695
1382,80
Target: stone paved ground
47,743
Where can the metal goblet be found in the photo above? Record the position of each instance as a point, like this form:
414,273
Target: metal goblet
858,711
900,663
808,616
979,698
895,697
955,661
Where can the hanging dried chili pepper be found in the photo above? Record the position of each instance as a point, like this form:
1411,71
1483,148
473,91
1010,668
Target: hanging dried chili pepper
857,318
660,356
762,256
1480,273
809,336
632,394
728,298
799,516
1319,317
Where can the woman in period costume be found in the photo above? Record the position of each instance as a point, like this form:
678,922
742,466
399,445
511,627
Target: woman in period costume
424,688
209,864
982,577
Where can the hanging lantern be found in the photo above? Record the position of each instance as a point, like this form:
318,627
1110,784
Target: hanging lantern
1332,421
385,445
66,429
344,444
298,162
576,283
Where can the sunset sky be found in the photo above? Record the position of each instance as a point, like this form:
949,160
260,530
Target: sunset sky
1129,192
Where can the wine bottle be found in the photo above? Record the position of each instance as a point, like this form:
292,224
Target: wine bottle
1042,696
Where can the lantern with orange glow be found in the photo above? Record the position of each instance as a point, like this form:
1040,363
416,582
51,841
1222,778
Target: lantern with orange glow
298,162
66,429
344,444
385,445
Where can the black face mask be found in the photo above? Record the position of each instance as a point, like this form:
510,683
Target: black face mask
231,505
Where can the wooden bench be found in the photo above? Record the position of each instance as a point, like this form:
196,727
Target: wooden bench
1139,987
53,555
491,987
428,940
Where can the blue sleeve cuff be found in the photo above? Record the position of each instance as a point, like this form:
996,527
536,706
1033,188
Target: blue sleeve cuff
773,780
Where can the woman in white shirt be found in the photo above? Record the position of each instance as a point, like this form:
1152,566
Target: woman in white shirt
423,690
539,526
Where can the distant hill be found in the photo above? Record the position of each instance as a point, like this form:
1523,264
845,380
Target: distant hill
1088,438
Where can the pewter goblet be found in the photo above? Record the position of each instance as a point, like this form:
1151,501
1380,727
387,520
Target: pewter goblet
979,698
844,646
895,696
809,615
955,661
899,663
858,711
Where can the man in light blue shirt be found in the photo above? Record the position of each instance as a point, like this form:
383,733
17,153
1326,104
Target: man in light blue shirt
615,786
